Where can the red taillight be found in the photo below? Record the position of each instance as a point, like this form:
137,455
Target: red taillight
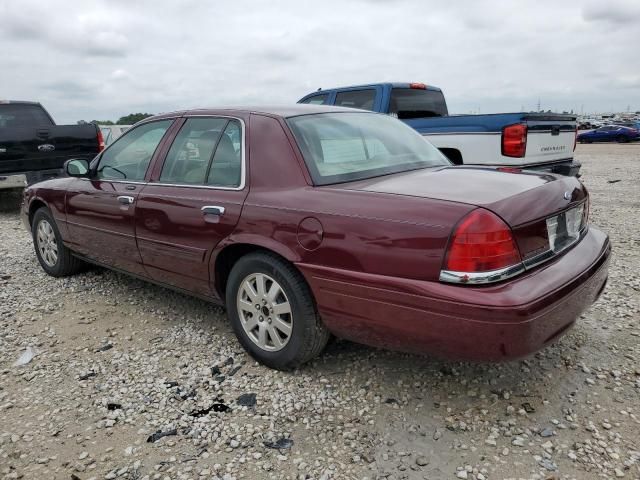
100,140
481,242
419,86
514,140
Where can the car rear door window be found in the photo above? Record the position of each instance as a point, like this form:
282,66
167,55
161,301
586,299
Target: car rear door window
206,151
320,99
226,167
363,99
128,158
191,152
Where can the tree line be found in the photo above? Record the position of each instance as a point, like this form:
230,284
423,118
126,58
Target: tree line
126,120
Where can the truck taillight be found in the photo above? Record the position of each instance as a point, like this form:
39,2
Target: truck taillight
100,140
418,86
481,243
514,140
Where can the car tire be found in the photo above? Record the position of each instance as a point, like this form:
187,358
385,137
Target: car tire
55,259
273,312
622,139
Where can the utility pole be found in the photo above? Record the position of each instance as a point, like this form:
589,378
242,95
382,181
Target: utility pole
538,104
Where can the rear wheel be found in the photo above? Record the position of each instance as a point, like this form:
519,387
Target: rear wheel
54,257
273,313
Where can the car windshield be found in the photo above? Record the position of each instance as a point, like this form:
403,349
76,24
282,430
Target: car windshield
342,147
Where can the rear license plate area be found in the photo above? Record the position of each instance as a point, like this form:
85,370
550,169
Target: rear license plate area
564,229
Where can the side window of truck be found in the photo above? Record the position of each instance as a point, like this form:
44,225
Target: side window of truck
363,99
320,99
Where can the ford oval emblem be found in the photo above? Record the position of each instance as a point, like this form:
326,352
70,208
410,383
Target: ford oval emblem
46,147
567,195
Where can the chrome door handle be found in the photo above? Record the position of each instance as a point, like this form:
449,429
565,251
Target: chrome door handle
212,210
125,199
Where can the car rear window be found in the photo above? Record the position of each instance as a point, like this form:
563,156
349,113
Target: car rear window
409,103
21,115
341,147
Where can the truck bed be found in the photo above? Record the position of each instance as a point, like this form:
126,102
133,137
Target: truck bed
550,137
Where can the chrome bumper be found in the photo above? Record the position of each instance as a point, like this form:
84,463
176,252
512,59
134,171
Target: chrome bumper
13,181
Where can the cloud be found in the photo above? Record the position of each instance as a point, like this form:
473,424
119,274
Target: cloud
619,12
107,58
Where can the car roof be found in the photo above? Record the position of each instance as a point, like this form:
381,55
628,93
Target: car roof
373,85
284,111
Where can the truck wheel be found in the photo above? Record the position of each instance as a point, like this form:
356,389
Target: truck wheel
54,257
273,313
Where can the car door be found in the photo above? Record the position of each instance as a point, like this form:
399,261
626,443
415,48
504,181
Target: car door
101,209
192,202
604,134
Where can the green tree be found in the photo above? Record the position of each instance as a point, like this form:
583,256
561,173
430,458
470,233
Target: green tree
132,118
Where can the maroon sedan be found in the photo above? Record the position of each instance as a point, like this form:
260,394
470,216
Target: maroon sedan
308,221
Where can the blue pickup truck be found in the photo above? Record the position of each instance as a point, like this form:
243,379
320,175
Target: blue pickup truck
541,141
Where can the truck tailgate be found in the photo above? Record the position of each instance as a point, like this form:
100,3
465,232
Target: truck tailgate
27,149
549,138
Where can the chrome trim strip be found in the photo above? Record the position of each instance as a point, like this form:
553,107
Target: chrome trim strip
479,278
427,134
110,181
190,185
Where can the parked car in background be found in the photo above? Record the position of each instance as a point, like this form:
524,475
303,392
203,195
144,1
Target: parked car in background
111,132
308,221
34,148
630,124
610,133
541,141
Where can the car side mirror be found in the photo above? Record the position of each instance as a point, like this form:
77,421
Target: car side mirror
77,167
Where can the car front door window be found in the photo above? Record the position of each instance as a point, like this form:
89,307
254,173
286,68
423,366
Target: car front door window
128,158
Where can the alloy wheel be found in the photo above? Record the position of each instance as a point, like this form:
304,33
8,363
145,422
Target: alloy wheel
265,312
47,243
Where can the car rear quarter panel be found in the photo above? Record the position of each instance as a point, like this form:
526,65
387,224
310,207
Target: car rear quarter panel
382,234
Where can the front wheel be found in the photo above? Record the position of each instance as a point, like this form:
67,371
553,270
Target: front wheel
622,139
273,312
54,257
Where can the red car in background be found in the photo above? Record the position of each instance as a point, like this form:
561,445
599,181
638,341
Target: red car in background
308,221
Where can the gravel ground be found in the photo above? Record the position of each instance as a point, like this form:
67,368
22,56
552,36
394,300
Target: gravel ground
118,361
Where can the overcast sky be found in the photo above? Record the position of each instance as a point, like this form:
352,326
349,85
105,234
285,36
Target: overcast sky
104,59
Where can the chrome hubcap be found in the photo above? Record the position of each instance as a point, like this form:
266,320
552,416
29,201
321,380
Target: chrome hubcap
47,244
265,312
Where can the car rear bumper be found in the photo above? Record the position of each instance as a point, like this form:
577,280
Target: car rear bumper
504,321
568,167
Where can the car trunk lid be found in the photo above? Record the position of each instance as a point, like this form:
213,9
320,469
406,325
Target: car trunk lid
526,200
518,196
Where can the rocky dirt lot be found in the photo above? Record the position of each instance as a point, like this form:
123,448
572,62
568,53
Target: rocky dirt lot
120,363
